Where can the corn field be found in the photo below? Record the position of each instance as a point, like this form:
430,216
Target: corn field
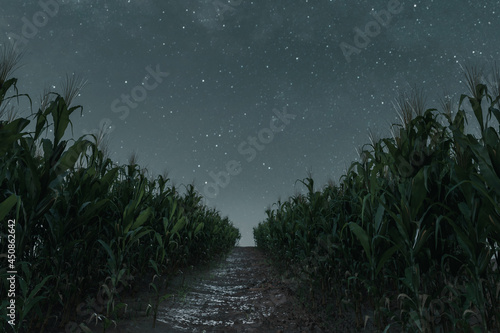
85,226
408,239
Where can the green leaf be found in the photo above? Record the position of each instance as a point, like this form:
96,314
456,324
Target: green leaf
31,300
47,148
7,204
179,225
140,220
174,206
385,256
199,228
378,217
159,239
154,265
418,192
109,177
60,113
70,156
164,297
362,237
465,242
108,250
94,208
5,86
11,132
496,113
421,238
141,192
136,234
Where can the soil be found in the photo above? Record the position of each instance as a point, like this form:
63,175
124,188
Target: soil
241,293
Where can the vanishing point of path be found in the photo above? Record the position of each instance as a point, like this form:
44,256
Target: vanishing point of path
240,294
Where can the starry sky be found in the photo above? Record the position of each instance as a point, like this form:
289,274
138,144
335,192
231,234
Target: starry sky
245,97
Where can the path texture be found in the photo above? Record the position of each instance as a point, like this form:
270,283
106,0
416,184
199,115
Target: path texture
240,294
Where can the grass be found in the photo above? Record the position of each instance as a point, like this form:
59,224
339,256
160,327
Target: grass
86,227
408,239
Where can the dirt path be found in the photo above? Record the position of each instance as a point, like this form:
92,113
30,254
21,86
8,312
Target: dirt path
241,294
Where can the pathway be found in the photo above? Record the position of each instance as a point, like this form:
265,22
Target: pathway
239,295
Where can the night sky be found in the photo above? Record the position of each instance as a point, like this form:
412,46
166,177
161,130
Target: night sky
252,94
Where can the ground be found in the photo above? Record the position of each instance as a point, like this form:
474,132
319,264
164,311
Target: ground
241,293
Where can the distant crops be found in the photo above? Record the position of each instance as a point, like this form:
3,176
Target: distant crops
85,226
408,240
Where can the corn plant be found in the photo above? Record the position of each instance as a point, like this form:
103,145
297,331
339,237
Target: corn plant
413,225
84,225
